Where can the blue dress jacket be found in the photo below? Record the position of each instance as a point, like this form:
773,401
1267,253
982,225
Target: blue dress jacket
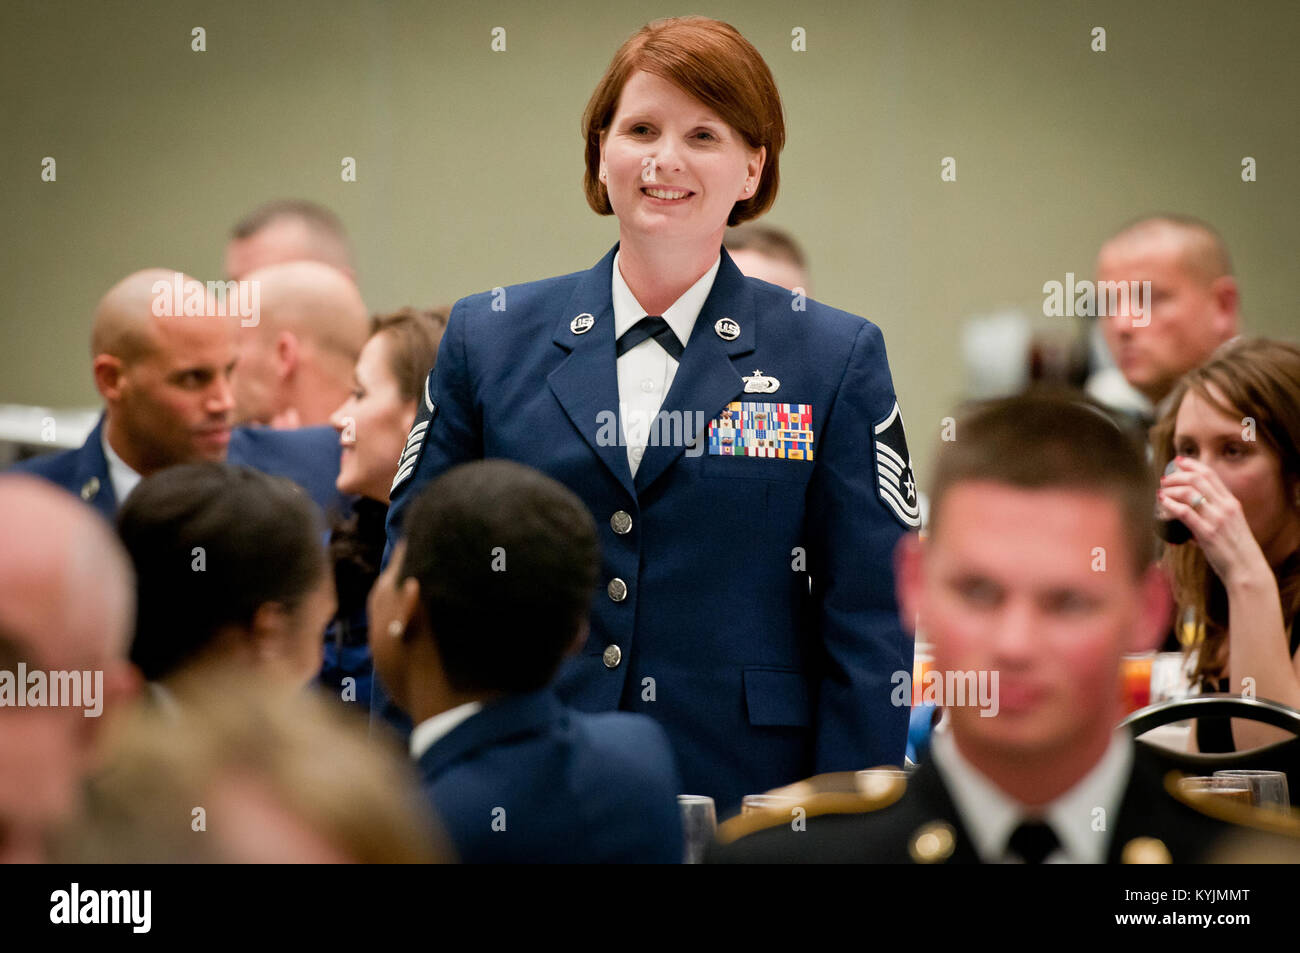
746,600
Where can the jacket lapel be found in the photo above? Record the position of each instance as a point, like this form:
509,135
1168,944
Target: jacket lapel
705,381
91,480
586,383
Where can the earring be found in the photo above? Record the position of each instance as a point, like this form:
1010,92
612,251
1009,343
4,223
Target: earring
395,629
602,175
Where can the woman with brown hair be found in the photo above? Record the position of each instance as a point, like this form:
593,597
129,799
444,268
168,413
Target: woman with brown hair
739,444
1233,431
372,423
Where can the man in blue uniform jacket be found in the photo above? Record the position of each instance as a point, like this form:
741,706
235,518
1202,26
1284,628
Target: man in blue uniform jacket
165,382
480,602
746,596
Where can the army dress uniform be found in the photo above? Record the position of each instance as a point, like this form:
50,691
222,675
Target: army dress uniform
776,454
1132,818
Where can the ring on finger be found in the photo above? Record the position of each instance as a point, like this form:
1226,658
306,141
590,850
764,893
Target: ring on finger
1199,501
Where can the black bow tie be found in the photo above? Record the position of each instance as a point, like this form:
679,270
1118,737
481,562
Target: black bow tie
651,326
1032,841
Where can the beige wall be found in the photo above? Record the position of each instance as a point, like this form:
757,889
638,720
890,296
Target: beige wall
469,161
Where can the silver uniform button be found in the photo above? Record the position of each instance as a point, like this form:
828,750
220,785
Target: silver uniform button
617,589
90,489
613,655
621,522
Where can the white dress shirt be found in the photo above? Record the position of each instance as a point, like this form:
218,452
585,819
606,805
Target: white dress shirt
990,816
645,372
432,730
120,475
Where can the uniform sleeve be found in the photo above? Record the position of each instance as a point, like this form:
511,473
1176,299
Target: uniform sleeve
854,525
447,428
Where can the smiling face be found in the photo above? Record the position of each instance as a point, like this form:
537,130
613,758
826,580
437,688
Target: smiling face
1009,583
1249,468
373,424
673,168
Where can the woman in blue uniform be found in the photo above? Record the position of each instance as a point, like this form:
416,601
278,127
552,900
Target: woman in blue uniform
740,446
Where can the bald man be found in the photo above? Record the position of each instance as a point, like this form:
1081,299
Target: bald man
295,363
288,230
165,379
1193,307
67,605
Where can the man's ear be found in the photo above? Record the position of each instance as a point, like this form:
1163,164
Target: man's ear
288,352
109,372
1227,300
1155,612
909,579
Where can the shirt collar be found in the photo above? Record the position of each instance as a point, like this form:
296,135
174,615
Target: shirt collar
990,815
120,473
680,315
432,730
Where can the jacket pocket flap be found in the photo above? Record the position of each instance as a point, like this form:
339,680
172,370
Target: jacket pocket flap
777,696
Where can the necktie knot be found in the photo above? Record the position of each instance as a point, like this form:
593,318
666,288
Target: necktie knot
651,326
1032,841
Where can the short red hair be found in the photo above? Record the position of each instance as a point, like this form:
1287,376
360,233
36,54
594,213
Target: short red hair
707,59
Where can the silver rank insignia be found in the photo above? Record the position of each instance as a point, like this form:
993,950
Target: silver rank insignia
414,448
582,323
758,384
895,482
727,329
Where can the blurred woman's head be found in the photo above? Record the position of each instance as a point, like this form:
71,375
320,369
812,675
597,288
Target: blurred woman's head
687,109
230,571
1239,414
388,380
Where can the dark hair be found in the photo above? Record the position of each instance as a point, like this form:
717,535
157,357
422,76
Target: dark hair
1051,440
1260,379
317,217
260,541
766,240
711,61
507,560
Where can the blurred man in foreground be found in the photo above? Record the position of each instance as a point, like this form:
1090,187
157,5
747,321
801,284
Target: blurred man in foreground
249,774
165,378
66,608
1036,578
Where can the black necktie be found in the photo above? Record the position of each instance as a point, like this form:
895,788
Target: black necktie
651,326
1032,841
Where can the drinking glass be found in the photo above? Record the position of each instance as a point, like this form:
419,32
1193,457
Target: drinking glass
699,824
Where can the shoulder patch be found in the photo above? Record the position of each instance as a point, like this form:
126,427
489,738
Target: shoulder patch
824,794
895,481
414,448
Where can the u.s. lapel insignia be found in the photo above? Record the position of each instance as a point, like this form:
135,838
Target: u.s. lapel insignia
933,843
90,489
582,323
727,329
895,481
758,384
